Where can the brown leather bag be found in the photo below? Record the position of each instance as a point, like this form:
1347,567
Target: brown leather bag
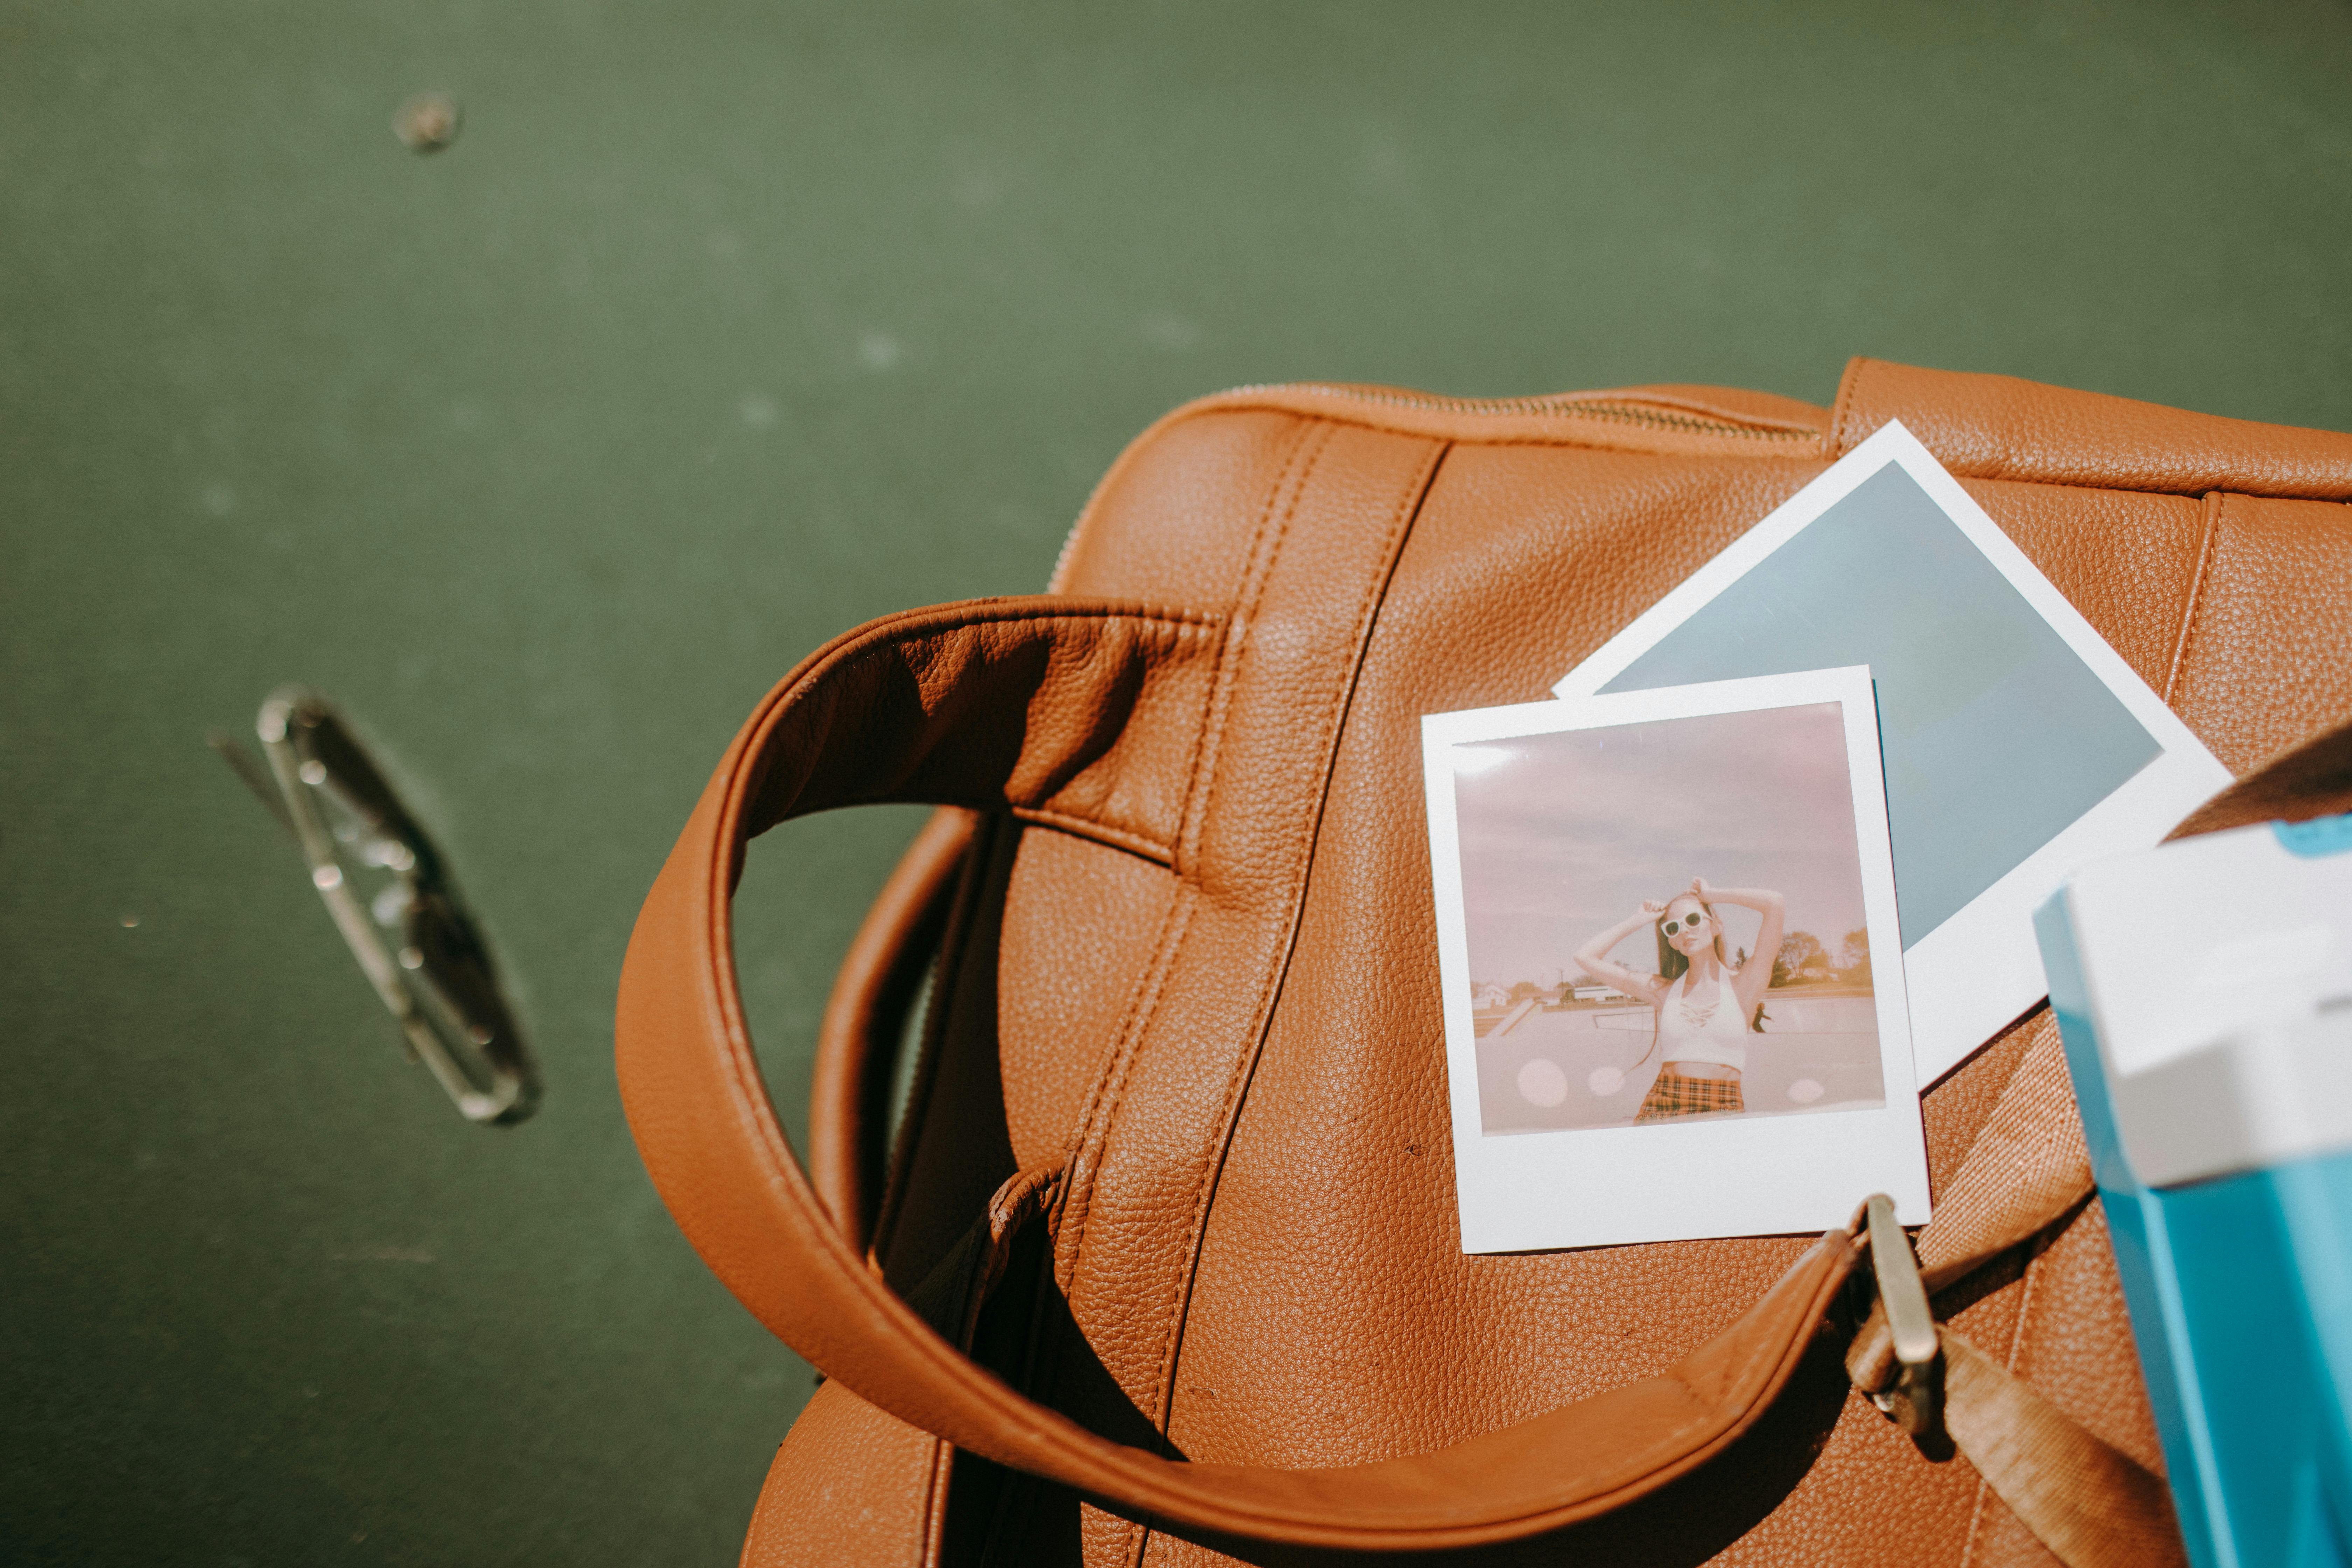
1162,1266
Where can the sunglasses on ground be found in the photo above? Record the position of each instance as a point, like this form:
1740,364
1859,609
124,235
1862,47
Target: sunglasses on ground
393,900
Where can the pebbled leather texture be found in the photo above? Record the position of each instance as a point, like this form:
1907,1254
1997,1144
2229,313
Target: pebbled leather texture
849,1485
2264,662
1189,966
1999,428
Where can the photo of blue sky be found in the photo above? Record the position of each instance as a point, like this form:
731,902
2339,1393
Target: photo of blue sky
1995,735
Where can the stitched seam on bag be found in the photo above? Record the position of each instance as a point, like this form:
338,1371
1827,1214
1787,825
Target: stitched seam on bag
1095,827
1168,854
2215,502
1841,418
2039,1026
1544,443
1794,445
2009,1364
1102,1105
1237,641
1162,852
1094,1125
1080,1181
1301,863
1090,1141
1305,449
1976,1523
1298,466
1086,1161
1132,453
935,1504
1070,822
1176,1309
1265,545
2042,1022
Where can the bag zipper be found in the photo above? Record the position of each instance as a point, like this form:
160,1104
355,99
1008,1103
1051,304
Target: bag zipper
1572,406
1569,406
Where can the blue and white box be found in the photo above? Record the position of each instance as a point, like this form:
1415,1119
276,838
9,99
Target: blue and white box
2204,990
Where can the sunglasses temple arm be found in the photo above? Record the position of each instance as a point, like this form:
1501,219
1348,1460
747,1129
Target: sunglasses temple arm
256,777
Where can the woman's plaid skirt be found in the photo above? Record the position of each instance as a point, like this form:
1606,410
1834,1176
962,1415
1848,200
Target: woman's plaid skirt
1674,1095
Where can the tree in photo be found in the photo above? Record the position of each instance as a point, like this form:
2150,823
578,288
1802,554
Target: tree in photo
1800,952
1855,948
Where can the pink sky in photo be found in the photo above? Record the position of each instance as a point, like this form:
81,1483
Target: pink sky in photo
1564,835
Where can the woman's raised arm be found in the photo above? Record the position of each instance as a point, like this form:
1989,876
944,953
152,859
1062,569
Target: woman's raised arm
1593,956
1755,975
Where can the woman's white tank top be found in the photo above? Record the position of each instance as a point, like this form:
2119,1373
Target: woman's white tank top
1716,1033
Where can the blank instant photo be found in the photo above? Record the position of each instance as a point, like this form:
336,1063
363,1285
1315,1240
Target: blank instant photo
1656,914
2019,745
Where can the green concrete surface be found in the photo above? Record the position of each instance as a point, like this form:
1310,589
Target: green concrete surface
720,327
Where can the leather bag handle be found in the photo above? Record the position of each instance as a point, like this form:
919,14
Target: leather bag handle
1004,705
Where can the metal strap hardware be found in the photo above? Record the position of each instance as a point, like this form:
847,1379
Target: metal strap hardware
1916,1398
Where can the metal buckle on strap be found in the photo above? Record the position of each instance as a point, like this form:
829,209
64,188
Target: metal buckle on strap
1916,1398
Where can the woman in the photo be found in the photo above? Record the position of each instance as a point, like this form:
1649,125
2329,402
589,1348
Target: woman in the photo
1704,1005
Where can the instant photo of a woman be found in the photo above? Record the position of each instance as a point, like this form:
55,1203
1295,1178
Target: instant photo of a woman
1734,1015
1704,1006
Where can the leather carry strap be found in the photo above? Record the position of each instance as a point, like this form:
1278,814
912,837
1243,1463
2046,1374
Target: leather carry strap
2026,1175
849,1088
1012,704
2090,1503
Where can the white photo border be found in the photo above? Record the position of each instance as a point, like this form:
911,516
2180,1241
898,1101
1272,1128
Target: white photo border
1676,1180
1980,970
